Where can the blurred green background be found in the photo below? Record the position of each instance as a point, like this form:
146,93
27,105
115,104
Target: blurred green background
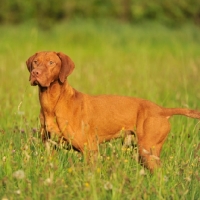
171,12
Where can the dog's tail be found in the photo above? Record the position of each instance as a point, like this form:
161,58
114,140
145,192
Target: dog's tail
168,112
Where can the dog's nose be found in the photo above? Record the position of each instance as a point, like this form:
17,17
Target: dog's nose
36,72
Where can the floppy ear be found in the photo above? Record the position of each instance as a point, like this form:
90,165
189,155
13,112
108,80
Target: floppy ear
67,66
29,61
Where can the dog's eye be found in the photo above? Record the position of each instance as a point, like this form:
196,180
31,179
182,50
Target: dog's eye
35,61
51,62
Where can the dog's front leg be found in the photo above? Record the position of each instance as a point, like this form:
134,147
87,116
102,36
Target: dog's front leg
43,132
49,129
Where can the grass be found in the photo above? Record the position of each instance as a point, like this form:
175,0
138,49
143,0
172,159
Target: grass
148,61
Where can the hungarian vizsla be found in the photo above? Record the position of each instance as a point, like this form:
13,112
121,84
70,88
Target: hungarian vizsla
86,121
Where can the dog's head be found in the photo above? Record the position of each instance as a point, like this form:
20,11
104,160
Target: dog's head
47,67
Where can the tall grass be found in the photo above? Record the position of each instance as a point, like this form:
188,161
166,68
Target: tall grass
148,61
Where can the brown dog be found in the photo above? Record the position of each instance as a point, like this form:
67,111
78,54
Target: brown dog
85,120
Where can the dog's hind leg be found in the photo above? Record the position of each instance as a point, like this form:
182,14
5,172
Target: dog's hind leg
155,131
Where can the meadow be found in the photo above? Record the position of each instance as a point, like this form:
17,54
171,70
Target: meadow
149,61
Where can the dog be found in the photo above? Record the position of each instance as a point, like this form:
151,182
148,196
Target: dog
86,121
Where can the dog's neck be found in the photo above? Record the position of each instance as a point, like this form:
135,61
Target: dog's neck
50,96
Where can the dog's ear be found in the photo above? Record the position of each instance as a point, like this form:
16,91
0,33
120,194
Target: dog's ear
67,66
29,62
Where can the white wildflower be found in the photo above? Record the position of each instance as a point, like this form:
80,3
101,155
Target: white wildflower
4,198
4,159
18,192
142,172
165,178
108,186
19,174
48,181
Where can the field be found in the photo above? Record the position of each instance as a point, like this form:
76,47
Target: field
149,61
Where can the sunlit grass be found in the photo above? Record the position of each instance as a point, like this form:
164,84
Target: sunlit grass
148,61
